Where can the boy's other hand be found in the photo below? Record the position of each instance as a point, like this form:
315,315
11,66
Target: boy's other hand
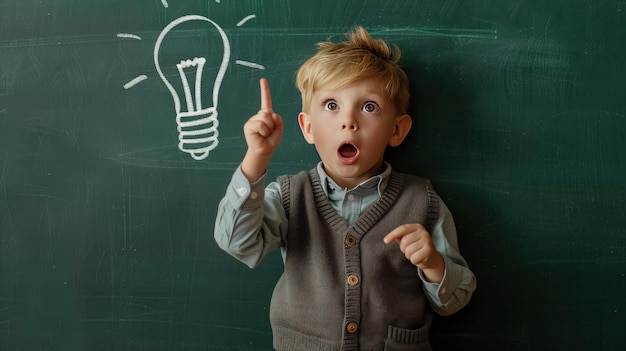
263,132
417,246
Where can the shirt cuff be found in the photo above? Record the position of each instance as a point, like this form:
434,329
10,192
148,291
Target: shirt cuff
440,293
243,194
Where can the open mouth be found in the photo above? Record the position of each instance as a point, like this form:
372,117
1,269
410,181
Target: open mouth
348,153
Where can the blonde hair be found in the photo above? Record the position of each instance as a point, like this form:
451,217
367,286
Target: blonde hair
338,65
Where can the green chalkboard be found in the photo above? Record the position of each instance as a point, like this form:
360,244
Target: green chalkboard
109,187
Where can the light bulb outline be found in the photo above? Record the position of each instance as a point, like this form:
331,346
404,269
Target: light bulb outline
189,133
183,126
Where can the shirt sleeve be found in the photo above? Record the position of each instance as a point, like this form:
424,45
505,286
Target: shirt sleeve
251,220
459,282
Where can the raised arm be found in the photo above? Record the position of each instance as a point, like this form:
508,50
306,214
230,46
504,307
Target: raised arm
250,220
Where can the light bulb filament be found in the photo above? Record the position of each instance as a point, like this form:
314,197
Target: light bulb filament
198,63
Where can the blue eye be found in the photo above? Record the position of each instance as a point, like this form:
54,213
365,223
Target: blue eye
370,107
331,106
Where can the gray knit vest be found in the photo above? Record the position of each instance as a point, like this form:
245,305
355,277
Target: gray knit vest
343,288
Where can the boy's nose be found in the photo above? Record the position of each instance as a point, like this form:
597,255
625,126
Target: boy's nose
349,122
350,126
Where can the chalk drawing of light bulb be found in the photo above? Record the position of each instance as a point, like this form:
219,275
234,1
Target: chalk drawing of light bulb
197,122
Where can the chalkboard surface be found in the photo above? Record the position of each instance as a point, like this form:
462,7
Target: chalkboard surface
109,185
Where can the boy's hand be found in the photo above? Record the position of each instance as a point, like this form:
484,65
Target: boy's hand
417,246
263,132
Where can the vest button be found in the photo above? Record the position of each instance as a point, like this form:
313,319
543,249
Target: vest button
353,280
350,240
352,327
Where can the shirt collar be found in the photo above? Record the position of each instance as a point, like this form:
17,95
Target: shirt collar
378,182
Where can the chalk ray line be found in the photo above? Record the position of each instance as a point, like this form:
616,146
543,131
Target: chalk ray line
135,81
249,64
245,19
128,36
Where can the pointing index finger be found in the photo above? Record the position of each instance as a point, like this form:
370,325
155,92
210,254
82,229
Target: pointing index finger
397,234
266,96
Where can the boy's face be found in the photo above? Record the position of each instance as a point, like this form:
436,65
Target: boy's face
351,128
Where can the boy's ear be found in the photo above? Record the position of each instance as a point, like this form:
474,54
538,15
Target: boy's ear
305,126
402,128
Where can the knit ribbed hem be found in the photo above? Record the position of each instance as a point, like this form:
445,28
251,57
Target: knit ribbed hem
397,340
291,340
407,340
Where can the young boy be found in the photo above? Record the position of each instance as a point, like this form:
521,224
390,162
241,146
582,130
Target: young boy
369,253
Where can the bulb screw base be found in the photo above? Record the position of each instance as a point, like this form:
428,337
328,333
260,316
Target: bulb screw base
197,132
